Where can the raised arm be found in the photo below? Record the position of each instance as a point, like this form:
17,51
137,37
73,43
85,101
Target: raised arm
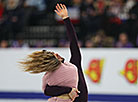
75,52
74,48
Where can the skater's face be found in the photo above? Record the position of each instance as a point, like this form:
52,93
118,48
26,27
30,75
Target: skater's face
59,57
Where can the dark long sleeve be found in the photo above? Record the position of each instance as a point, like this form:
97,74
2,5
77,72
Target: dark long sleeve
56,90
74,48
76,60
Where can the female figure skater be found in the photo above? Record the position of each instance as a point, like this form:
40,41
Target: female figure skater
61,88
61,10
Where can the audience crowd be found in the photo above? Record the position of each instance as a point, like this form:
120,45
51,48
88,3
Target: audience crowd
100,23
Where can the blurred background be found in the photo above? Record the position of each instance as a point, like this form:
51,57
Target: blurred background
107,31
99,23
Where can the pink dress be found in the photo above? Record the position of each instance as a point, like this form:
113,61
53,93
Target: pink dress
65,75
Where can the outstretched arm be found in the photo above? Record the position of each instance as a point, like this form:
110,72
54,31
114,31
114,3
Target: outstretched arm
75,53
74,48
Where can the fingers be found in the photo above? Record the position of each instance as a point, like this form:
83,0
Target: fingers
74,93
61,10
57,7
64,6
57,12
76,90
60,7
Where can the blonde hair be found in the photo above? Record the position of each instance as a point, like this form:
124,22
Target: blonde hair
40,61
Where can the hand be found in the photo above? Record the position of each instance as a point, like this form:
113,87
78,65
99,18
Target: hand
61,10
74,93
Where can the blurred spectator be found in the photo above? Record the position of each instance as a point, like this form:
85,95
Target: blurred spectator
1,10
125,11
39,44
132,23
123,41
3,44
88,44
91,21
100,6
77,3
113,24
39,4
13,19
108,42
1,18
19,44
115,7
133,10
88,16
99,38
